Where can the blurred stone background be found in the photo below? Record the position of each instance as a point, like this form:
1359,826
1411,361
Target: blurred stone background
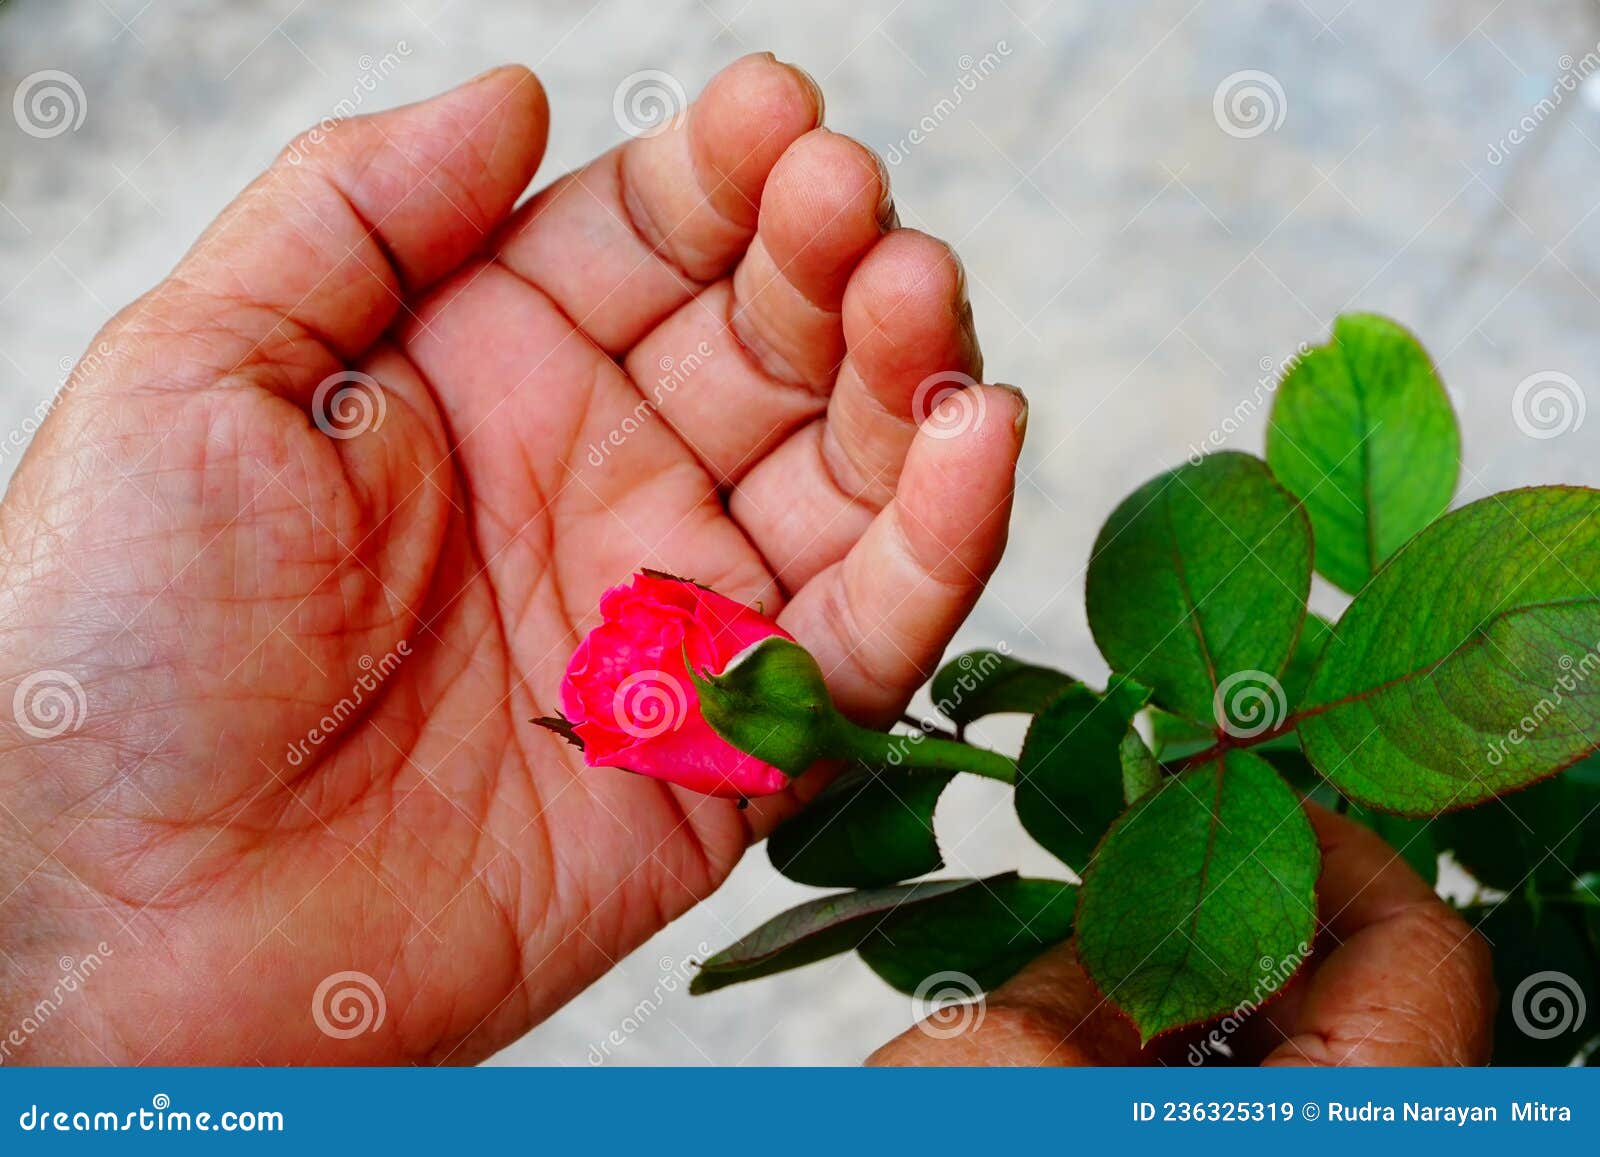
1147,233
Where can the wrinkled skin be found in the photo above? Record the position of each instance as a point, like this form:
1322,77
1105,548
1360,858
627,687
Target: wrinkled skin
219,574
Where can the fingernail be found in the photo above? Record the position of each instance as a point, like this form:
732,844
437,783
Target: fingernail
810,82
962,307
1020,422
485,75
888,218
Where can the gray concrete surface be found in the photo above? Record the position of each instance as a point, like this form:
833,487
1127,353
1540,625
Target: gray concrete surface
1133,265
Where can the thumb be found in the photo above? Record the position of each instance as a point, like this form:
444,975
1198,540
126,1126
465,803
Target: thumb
351,217
1404,980
1048,1014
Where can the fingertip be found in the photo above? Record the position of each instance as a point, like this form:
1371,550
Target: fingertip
817,101
503,115
820,214
694,189
956,489
353,215
905,267
1019,413
908,337
436,177
748,116
526,104
763,103
969,425
513,82
824,206
906,314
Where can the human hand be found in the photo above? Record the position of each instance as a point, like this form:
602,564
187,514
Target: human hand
310,630
1396,978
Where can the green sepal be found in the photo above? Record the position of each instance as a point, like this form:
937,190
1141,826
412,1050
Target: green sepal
772,702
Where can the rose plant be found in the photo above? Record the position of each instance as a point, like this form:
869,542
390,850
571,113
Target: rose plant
1454,707
685,685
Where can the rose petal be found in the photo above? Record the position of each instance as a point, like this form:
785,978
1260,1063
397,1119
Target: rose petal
696,757
724,629
628,691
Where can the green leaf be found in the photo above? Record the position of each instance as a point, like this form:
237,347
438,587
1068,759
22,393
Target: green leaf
980,683
1141,772
816,930
1282,750
975,938
1413,840
1587,770
1175,737
1070,773
1586,889
1201,576
1363,432
868,828
1202,898
1314,636
1467,667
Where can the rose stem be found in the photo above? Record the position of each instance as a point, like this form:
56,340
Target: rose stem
925,751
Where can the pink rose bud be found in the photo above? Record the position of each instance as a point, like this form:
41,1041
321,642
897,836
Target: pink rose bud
629,697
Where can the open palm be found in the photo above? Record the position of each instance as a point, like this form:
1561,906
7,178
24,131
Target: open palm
321,517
